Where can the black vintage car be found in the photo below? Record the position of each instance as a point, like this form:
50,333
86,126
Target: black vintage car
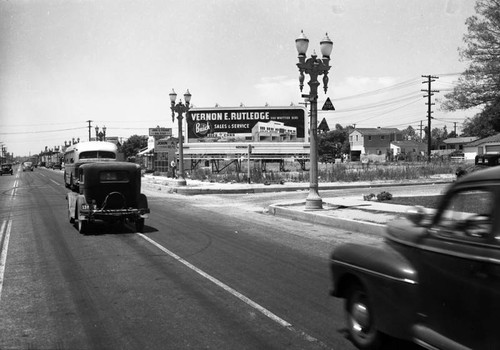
487,159
109,192
6,169
435,279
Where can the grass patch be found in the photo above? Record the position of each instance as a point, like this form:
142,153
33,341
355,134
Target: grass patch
342,172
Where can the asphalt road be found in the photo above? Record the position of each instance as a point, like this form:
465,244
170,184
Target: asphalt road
209,272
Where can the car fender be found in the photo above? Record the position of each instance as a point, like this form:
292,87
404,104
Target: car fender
383,261
143,206
71,197
83,207
389,279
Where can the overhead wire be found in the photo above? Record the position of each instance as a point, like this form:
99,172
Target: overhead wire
39,131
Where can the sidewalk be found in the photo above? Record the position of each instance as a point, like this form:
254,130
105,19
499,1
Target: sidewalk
349,213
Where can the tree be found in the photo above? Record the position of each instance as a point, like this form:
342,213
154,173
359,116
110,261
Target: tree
479,85
133,145
480,125
437,136
409,133
333,144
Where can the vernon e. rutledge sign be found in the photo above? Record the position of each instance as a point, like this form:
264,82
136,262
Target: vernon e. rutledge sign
247,124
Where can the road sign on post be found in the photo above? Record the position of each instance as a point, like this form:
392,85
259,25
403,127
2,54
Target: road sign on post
328,106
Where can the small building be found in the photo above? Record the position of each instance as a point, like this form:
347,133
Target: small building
408,150
373,141
273,131
457,143
487,145
146,156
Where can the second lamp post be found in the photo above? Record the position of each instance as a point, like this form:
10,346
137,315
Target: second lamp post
180,108
313,67
100,135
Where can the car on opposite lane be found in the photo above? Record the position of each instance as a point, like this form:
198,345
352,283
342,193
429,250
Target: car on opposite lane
27,166
434,279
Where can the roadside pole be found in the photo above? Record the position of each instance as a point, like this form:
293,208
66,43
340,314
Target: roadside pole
249,152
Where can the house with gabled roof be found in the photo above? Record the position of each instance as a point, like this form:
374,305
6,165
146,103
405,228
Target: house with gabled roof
487,145
408,150
373,141
457,143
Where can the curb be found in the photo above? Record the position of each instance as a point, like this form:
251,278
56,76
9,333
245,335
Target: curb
192,191
314,217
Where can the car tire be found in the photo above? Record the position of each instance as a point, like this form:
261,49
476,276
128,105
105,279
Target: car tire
139,225
83,226
71,220
360,320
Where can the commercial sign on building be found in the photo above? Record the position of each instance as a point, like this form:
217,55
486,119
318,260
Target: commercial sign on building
160,132
247,124
165,145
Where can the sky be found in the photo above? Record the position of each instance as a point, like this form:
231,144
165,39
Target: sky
114,62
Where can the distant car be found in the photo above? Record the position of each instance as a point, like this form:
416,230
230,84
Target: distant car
109,192
27,166
56,166
6,169
435,279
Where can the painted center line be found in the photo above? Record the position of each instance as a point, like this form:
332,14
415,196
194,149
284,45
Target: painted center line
228,289
237,294
4,244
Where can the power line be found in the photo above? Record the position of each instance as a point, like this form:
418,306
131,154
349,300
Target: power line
39,132
396,86
389,102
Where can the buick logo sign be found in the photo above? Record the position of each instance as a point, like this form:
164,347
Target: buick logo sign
201,129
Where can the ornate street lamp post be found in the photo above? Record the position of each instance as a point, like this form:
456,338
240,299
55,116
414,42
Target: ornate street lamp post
180,108
314,67
100,136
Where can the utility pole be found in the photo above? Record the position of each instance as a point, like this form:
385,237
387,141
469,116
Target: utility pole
455,128
430,93
90,127
421,128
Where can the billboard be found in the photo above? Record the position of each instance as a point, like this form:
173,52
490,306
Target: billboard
247,124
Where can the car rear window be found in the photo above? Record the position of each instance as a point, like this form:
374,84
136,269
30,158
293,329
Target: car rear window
97,155
113,176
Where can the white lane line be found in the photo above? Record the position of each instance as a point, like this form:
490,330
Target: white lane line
4,237
57,183
14,190
237,294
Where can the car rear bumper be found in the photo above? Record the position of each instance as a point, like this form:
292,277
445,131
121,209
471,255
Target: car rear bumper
106,214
